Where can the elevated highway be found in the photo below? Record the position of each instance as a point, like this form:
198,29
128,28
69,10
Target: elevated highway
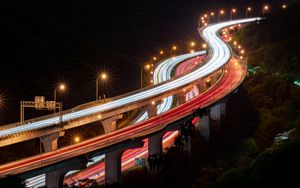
232,74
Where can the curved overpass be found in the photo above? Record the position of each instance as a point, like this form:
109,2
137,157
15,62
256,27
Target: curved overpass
95,169
219,56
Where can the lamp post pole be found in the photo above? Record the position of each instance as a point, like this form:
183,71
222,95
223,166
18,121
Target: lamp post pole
142,66
54,98
97,88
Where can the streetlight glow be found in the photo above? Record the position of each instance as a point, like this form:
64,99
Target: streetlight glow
174,48
62,87
103,76
161,52
248,10
220,12
233,11
283,6
266,7
154,58
147,67
212,13
192,44
76,139
204,45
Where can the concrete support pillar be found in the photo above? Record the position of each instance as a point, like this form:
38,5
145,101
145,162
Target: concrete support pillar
188,146
113,163
55,179
152,108
204,126
213,79
215,113
50,141
155,144
201,86
181,98
110,124
223,109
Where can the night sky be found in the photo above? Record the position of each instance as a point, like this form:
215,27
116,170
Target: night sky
46,41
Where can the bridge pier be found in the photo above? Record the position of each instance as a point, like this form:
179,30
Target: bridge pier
152,108
110,124
155,144
188,146
55,179
181,98
215,113
204,126
201,86
50,141
113,163
223,109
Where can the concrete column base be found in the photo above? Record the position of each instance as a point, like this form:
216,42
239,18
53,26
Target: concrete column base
215,113
113,163
181,98
188,146
152,108
55,179
155,144
204,127
223,109
50,141
201,86
110,124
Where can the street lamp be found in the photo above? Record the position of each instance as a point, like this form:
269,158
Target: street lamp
161,52
174,47
144,67
220,12
204,46
103,76
249,9
60,87
192,44
265,8
233,11
210,16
